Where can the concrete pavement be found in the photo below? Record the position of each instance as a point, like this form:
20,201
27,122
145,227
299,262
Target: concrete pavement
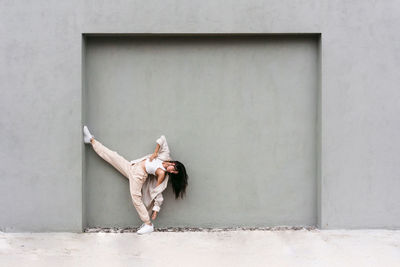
204,248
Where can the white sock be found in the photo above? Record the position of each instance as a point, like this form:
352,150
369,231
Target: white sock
86,135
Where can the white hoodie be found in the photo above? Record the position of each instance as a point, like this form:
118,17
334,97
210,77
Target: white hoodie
151,193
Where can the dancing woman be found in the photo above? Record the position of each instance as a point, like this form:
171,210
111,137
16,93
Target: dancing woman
146,192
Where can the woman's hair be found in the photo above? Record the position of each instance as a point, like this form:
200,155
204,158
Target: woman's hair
179,180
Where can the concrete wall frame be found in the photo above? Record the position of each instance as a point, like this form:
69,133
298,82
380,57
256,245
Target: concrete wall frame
281,50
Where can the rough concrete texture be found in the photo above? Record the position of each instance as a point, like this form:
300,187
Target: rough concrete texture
194,229
232,248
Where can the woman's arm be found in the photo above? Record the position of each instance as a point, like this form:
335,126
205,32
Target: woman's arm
159,198
160,176
155,154
157,205
164,153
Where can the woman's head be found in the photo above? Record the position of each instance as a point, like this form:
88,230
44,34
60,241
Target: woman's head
178,178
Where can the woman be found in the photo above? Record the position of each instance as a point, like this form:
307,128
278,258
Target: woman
158,165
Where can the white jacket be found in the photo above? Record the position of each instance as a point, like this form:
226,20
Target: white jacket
151,193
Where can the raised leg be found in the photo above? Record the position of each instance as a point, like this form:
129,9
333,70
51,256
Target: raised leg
112,157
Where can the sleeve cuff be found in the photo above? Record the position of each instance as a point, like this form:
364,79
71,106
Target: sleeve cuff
160,140
156,208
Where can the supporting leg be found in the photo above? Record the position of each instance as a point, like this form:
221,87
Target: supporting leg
135,185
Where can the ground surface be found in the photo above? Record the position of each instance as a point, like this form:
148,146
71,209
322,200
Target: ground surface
204,248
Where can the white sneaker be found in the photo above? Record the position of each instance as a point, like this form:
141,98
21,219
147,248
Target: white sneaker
86,135
145,229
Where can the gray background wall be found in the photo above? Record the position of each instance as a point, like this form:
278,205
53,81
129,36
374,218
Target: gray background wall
239,111
41,99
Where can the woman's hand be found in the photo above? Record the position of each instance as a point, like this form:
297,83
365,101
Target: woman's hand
153,156
154,216
170,164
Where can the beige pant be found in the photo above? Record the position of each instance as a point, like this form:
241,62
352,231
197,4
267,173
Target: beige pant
136,175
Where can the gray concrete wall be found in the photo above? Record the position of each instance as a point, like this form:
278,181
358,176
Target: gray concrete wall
41,97
239,111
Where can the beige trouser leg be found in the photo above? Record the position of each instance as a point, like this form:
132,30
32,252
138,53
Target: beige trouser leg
136,175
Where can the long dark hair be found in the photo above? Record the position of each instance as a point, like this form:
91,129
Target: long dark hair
179,180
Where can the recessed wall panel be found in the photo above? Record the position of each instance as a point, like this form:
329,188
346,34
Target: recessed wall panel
239,111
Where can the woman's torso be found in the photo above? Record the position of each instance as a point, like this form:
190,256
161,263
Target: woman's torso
151,167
